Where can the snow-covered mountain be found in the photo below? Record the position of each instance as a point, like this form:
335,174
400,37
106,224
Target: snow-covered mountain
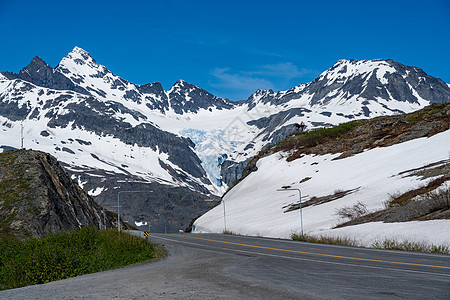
93,120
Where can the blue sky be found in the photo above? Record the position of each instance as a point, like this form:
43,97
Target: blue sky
230,48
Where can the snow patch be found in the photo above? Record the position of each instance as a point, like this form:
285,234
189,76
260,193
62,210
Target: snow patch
95,192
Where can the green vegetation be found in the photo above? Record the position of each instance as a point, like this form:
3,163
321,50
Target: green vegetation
324,240
332,132
83,251
228,232
410,246
315,137
388,244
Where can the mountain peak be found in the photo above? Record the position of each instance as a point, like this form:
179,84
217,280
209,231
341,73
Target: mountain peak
79,63
35,66
79,56
80,51
343,69
37,60
182,83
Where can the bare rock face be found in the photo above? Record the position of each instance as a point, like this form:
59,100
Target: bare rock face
37,197
41,74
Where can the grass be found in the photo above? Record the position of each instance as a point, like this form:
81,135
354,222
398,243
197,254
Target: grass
388,244
342,241
314,137
391,244
228,232
297,140
60,256
332,132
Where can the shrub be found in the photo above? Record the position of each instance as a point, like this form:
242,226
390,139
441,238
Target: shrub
440,196
353,212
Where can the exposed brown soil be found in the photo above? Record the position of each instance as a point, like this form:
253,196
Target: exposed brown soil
319,200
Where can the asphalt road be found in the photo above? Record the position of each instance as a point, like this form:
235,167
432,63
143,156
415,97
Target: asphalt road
210,266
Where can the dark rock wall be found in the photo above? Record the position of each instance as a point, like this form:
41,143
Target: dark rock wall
38,197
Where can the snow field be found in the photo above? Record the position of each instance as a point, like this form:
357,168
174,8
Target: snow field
255,207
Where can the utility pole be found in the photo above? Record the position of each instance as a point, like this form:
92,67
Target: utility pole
21,135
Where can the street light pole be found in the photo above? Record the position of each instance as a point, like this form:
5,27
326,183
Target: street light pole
224,217
300,198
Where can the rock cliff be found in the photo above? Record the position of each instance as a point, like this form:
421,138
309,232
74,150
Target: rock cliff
37,197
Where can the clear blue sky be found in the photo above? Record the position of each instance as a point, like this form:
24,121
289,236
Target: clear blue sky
230,48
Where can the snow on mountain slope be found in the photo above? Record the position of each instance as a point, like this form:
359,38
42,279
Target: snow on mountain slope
255,207
83,131
83,70
225,134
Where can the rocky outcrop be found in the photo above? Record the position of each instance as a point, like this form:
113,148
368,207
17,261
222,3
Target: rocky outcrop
41,74
186,97
232,171
37,197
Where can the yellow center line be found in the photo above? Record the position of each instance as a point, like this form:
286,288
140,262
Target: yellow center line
313,253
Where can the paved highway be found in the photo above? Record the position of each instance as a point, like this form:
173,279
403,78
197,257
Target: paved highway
211,266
